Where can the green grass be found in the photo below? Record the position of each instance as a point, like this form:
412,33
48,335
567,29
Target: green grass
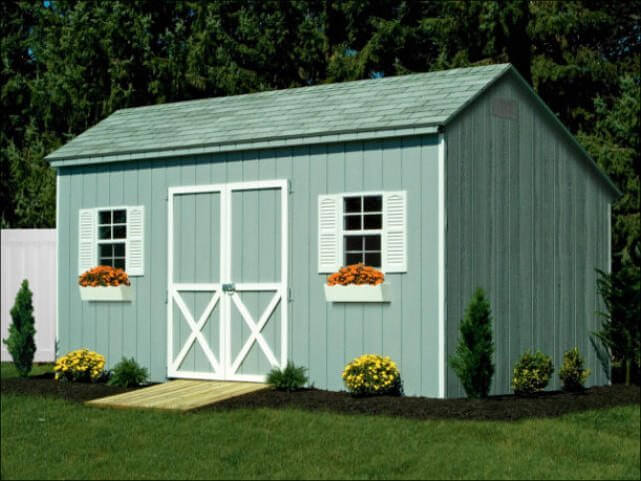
50,438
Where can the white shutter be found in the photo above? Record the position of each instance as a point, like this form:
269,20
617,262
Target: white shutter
135,262
395,231
86,240
328,254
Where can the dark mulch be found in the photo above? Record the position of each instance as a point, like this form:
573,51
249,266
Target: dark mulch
45,385
549,404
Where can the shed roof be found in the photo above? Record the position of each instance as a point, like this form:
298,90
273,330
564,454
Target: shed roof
390,106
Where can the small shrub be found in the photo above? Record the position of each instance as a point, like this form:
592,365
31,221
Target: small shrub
371,374
20,343
473,359
292,378
532,373
572,373
128,373
80,365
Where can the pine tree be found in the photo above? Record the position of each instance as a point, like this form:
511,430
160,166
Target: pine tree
20,343
473,359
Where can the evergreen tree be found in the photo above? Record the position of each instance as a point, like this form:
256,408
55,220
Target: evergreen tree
20,343
473,359
621,294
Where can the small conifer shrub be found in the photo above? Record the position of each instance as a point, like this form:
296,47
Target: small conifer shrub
532,373
573,373
20,343
473,359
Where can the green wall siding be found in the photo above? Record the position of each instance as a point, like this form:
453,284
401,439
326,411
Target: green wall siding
322,336
527,221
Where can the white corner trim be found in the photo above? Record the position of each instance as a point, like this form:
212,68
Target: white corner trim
57,280
441,265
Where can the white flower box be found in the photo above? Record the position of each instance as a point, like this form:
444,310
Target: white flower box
120,293
358,293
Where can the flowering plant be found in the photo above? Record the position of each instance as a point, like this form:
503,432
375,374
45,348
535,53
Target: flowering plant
80,365
372,374
356,274
103,276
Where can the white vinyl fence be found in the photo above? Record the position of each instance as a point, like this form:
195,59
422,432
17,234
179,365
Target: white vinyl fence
31,254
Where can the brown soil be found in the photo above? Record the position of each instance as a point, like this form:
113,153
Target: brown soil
549,404
45,385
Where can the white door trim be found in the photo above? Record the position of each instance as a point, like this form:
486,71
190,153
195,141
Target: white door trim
223,366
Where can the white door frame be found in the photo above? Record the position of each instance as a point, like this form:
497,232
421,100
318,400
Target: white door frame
224,366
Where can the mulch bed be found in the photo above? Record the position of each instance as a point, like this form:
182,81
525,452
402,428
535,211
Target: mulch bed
45,385
549,404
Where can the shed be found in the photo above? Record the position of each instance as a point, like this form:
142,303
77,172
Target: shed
229,213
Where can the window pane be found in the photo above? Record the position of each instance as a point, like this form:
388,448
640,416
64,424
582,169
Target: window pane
119,263
373,203
352,258
120,232
373,259
354,243
104,217
373,221
120,216
373,243
105,261
352,222
119,250
105,250
352,204
104,233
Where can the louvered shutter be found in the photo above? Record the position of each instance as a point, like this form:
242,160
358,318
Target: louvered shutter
86,240
395,231
135,241
328,254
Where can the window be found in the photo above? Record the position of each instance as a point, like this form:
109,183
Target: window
112,237
367,227
362,230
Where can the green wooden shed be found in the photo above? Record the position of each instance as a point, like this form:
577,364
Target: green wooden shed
229,213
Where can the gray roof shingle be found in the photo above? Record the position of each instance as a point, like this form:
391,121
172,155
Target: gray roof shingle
406,101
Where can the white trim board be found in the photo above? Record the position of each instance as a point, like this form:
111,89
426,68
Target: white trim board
442,152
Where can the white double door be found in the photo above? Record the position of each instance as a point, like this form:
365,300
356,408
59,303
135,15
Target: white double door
227,280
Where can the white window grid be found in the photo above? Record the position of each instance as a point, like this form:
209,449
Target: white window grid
362,231
112,240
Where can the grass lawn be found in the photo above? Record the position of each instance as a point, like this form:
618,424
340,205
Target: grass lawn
52,438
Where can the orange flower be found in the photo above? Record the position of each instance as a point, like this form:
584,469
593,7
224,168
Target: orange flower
358,274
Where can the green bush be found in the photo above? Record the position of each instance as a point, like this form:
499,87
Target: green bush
127,373
573,375
532,373
20,343
290,379
473,359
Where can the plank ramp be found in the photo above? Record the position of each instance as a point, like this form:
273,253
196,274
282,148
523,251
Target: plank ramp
178,395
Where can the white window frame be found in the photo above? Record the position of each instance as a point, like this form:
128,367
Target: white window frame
342,232
341,227
99,241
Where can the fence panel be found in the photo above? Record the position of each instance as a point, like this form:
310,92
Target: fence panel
30,254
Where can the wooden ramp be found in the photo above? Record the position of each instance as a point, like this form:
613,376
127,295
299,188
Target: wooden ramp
179,395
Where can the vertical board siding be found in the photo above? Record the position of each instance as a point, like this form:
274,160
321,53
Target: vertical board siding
527,222
322,336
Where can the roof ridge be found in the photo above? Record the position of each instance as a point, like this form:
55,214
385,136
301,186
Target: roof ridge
322,86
